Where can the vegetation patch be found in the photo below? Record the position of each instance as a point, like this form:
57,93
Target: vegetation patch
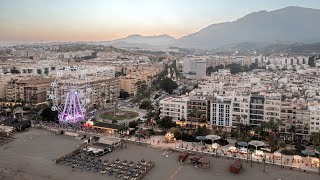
119,115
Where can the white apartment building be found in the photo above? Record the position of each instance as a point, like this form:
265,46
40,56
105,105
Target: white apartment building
105,71
240,109
314,118
30,67
194,67
281,60
302,121
272,107
210,86
278,62
175,107
224,72
221,112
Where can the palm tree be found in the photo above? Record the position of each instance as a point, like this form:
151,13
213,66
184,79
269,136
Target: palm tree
196,114
183,119
292,130
259,129
243,130
305,129
273,126
315,136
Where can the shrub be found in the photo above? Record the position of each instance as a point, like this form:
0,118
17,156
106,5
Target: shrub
289,152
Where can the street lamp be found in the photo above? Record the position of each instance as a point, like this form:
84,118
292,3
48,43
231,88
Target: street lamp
264,163
281,160
251,158
247,153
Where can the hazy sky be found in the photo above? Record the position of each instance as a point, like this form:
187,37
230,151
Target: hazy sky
66,20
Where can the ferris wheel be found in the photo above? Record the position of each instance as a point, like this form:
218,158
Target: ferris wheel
70,94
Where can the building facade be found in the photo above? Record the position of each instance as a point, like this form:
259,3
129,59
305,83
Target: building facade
174,107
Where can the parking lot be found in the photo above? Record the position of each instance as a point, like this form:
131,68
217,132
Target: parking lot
31,157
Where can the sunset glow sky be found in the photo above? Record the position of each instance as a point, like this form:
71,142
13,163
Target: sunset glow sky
93,20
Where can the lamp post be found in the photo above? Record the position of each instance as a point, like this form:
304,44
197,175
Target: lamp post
251,158
264,163
248,153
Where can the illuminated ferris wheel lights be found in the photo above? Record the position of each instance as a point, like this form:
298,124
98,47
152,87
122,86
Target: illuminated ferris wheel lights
67,95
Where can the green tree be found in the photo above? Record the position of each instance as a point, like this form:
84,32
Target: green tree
195,113
253,66
234,68
168,85
183,119
176,131
273,142
273,126
212,69
259,130
202,131
292,131
166,123
146,104
243,133
123,128
143,92
123,94
315,137
311,61
151,114
48,115
282,145
133,124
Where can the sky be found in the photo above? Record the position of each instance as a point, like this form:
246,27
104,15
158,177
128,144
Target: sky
95,20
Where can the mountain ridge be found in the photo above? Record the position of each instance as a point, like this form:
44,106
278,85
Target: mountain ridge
137,40
261,26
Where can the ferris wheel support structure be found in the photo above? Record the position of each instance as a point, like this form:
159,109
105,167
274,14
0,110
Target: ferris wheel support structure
70,94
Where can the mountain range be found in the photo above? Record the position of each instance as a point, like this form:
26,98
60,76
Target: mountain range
140,41
288,25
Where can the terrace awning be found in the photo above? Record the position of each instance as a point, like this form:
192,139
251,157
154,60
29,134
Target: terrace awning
242,143
308,152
